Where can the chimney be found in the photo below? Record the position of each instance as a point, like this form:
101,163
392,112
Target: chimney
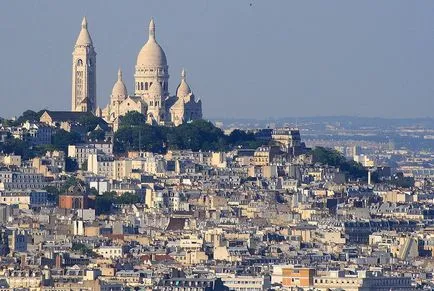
59,261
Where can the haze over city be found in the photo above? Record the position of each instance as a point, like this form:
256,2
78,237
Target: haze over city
252,59
227,145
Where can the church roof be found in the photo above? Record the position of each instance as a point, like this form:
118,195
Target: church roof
151,54
84,38
170,101
65,115
176,223
70,116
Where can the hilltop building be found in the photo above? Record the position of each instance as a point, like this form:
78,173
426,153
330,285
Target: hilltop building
151,86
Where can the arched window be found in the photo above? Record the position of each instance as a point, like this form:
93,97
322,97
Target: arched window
146,86
79,62
141,86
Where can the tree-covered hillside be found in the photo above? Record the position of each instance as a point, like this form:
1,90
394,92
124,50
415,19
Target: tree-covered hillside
134,133
352,169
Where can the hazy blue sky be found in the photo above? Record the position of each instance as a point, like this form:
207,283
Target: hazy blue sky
269,59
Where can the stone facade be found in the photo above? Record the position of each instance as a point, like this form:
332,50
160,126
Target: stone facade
151,96
120,103
84,72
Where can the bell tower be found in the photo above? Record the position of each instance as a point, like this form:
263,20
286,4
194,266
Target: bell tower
84,72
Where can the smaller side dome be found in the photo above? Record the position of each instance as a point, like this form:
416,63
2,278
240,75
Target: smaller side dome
156,89
119,91
183,89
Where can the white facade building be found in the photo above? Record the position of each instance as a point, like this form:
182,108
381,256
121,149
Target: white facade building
101,165
110,252
151,88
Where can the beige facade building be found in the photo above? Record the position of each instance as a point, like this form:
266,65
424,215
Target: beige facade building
110,252
10,160
243,283
363,280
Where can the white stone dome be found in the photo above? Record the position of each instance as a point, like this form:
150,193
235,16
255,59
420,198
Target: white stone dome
151,54
156,89
183,88
119,91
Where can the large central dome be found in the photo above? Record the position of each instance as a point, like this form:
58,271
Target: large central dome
151,54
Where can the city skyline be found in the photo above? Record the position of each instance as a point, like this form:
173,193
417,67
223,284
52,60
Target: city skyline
248,59
216,145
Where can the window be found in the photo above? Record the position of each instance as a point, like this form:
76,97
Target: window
79,62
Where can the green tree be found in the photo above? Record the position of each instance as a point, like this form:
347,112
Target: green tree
196,135
70,181
96,135
201,135
29,115
104,202
144,137
17,146
132,118
61,139
91,121
352,169
53,193
128,198
71,165
83,249
399,180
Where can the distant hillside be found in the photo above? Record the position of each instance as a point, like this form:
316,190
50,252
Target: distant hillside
349,122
